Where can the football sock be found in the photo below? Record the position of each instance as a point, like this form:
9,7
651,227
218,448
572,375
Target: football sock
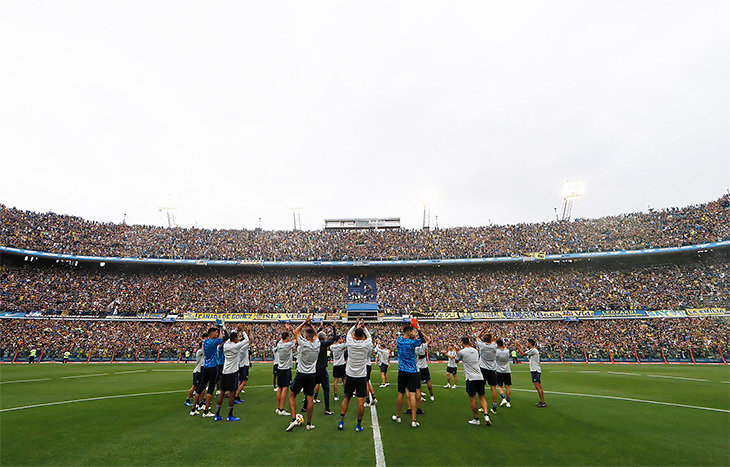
230,412
218,410
501,394
507,398
359,421
342,417
494,406
316,395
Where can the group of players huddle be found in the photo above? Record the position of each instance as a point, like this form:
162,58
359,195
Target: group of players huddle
223,361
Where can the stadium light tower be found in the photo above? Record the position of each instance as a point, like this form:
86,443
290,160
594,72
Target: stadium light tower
428,200
296,206
571,192
170,214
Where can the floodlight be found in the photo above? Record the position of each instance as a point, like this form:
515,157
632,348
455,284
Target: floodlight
573,190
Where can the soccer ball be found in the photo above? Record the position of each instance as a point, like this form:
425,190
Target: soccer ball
300,419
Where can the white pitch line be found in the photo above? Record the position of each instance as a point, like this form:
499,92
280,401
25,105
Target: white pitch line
189,371
624,373
85,376
677,377
118,396
588,371
377,441
600,396
127,372
24,380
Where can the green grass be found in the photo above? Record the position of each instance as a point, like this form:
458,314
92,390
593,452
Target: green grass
156,429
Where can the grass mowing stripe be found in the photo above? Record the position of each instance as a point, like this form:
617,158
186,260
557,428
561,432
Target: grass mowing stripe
84,376
24,380
117,396
677,377
601,396
377,441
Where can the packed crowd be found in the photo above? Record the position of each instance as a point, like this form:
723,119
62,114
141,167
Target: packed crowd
597,338
74,291
654,288
74,235
56,290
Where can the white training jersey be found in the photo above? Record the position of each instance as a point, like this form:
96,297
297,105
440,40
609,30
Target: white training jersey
243,358
503,359
383,355
469,356
487,355
199,360
358,354
422,356
534,356
230,352
284,351
338,353
452,356
307,356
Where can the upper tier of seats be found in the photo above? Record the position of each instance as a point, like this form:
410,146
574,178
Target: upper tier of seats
673,227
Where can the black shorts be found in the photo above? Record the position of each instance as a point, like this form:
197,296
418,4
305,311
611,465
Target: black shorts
383,367
196,378
535,376
474,388
357,385
369,369
490,376
451,369
425,375
408,381
220,372
276,367
504,379
242,373
338,371
229,381
283,378
304,382
208,378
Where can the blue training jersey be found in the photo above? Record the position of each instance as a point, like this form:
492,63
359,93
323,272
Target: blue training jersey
210,347
407,354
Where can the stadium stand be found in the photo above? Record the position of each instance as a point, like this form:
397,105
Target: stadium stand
72,235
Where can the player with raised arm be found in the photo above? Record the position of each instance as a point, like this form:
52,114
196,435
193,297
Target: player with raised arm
504,373
210,369
533,356
244,362
469,356
323,379
359,348
451,368
338,364
306,377
422,365
197,373
284,350
383,354
229,378
408,376
488,362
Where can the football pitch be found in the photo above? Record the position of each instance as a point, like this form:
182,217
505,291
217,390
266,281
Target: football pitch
133,414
